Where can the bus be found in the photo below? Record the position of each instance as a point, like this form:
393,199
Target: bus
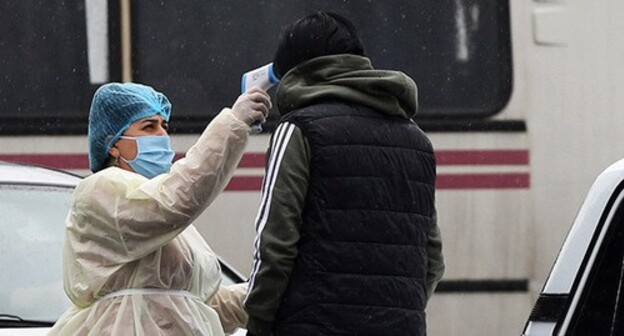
522,100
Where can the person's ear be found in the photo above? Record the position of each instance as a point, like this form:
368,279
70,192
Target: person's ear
114,152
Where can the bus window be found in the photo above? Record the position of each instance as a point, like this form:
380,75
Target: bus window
44,68
458,51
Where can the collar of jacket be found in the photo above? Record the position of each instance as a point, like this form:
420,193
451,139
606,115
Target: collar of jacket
349,78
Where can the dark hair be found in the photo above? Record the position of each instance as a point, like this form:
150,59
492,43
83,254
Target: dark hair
318,34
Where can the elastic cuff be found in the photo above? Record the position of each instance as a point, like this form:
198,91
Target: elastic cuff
259,328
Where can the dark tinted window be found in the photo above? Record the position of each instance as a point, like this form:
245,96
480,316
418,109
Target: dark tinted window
195,51
43,62
457,51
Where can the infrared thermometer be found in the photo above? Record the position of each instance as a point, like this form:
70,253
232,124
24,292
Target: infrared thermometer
262,77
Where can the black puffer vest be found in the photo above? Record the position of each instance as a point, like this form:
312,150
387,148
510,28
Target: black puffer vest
362,259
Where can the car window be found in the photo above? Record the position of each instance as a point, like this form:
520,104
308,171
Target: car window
32,228
229,276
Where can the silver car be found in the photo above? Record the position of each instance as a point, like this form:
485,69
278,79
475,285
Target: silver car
34,202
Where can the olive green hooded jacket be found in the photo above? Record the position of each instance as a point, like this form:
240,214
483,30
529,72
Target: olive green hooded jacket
347,78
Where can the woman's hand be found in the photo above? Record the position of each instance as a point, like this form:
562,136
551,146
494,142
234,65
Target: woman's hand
228,303
252,106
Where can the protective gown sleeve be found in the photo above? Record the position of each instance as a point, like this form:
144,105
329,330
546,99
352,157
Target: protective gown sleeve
141,215
278,226
119,216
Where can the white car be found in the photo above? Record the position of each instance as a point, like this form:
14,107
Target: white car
584,293
34,202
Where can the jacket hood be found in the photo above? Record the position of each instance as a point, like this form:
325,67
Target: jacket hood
350,78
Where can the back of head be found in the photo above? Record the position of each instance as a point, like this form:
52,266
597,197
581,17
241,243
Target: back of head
318,34
114,107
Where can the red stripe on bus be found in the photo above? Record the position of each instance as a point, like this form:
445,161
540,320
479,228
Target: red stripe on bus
245,183
443,182
443,158
482,157
81,161
252,160
257,160
483,181
59,161
254,183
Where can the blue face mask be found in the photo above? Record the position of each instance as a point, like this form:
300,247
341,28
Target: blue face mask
154,155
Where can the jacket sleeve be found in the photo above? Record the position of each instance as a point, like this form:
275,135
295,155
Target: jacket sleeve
278,226
435,267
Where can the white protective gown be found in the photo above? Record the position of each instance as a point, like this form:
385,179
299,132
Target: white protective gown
134,264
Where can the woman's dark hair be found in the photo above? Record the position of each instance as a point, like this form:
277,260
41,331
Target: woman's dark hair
318,34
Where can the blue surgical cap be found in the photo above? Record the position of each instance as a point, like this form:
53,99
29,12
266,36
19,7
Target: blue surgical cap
114,108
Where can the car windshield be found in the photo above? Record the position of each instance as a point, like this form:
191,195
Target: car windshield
32,227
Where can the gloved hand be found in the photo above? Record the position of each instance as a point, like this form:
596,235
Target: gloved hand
252,106
228,303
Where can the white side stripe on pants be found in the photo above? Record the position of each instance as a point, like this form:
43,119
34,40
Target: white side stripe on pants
280,142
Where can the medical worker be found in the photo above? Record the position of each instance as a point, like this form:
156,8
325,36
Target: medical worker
133,262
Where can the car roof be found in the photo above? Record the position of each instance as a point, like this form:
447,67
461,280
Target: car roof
16,173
